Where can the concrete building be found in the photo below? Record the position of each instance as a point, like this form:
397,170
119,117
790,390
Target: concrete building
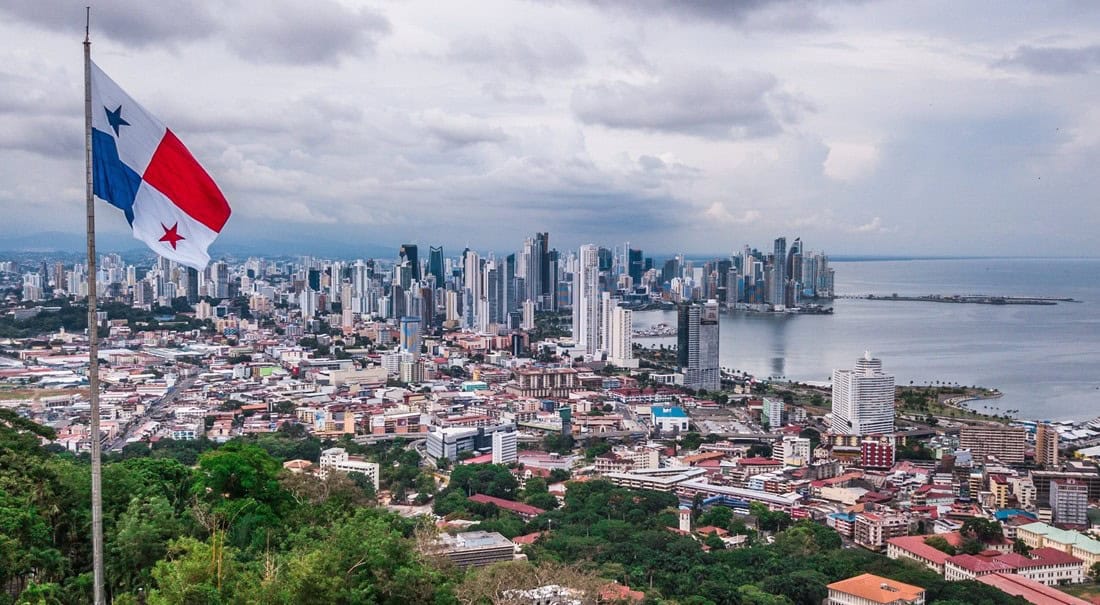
1048,566
873,530
1069,500
619,336
869,589
337,459
449,442
772,413
697,345
1005,443
863,399
670,419
474,548
1046,445
1039,535
504,447
586,300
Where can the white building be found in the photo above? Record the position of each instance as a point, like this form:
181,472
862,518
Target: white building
337,459
619,335
586,300
505,449
773,412
863,399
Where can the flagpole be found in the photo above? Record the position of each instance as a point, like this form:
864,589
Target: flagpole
93,328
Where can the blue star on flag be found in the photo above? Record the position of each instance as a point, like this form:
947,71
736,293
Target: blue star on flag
114,118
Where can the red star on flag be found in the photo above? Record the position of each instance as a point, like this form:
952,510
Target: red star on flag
171,235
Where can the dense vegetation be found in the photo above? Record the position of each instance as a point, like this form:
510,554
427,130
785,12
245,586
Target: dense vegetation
191,523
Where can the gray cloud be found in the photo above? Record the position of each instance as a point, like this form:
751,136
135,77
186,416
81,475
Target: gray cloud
1053,60
780,15
132,22
711,104
460,129
282,31
532,55
48,137
305,33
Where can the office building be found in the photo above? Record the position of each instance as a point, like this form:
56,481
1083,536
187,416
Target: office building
435,265
1005,443
697,345
1069,501
411,257
1046,445
586,300
863,399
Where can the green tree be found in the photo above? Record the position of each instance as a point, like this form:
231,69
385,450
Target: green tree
141,539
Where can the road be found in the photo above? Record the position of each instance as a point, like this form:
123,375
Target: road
151,411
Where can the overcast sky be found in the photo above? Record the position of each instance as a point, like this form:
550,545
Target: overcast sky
863,127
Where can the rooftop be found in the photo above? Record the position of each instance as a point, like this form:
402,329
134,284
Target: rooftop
877,589
1032,591
668,412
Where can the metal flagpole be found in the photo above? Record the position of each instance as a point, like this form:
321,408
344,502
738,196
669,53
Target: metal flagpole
93,328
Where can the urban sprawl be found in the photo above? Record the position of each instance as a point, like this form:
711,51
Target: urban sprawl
528,362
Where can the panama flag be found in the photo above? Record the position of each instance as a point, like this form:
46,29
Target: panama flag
141,167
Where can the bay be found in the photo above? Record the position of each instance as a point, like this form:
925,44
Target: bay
1045,359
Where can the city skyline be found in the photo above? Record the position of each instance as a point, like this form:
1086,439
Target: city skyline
409,119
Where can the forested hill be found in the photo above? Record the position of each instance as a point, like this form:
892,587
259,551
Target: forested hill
190,524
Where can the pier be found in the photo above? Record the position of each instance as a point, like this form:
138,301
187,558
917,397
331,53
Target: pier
973,299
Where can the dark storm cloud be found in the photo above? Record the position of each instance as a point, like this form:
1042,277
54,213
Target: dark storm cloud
530,56
711,104
1054,60
132,22
304,33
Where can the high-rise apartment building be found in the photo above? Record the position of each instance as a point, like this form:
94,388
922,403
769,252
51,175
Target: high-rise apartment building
1046,445
586,300
1069,500
777,287
1005,443
697,345
863,399
619,335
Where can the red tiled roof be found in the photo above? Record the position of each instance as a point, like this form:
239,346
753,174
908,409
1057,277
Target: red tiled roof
916,546
1030,590
509,505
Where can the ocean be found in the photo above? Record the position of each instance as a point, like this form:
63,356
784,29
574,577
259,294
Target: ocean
1045,359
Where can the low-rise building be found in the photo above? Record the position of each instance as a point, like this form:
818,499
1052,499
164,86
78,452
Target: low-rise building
337,459
1048,566
869,589
474,548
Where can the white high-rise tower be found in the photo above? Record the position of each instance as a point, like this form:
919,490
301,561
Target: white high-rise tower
586,300
863,399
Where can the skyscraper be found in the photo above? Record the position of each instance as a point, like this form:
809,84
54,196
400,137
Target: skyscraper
435,265
777,291
863,399
586,300
697,345
410,255
635,266
545,289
